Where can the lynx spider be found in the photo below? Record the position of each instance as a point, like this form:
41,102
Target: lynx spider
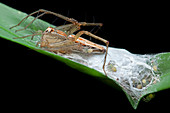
55,37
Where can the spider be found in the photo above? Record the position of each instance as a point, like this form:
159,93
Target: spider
61,39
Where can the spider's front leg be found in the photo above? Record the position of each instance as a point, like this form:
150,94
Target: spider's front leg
43,13
98,38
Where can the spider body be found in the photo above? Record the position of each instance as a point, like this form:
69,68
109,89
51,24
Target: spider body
56,40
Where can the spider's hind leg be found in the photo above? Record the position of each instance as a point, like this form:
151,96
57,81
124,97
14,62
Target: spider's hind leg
98,38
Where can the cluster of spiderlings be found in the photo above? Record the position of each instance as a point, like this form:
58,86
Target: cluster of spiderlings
143,77
134,75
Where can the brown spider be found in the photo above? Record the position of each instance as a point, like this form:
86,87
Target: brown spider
61,39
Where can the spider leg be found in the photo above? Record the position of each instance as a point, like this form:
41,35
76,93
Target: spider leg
43,13
24,19
30,22
64,27
37,33
90,24
71,28
98,38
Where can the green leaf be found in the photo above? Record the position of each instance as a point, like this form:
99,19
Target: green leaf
163,67
115,66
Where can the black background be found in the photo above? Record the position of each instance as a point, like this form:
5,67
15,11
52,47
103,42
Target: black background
36,81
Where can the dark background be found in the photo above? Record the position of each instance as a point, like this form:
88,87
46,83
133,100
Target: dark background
36,81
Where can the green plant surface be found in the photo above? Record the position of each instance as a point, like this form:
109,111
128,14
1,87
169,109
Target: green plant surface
10,17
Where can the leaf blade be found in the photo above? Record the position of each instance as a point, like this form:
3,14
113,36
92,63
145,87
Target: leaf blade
12,17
